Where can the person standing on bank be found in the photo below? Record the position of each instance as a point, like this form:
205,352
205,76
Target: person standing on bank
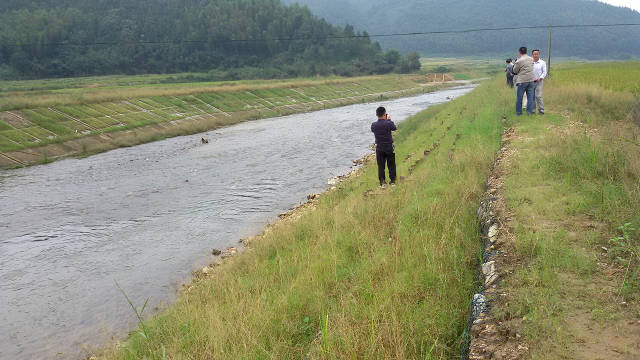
509,71
385,151
525,83
539,73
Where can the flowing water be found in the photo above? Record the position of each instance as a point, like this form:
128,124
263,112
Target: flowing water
146,216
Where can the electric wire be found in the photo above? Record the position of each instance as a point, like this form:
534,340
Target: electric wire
320,38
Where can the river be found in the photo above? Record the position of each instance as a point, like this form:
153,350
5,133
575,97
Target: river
148,215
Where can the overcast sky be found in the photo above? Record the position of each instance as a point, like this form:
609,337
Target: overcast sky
634,4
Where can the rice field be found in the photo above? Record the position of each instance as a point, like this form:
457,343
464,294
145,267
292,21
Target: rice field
615,76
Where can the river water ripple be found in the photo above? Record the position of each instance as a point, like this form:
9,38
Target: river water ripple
146,216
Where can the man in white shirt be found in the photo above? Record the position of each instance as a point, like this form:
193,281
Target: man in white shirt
539,72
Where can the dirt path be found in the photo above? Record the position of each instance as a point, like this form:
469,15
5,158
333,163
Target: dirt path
592,320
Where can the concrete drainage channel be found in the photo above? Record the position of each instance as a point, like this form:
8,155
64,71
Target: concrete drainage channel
474,345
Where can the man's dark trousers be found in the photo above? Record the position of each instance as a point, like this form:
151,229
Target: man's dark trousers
385,155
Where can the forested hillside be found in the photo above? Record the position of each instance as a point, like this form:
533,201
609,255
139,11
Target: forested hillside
47,38
382,16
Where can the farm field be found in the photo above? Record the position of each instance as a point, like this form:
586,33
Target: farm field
463,69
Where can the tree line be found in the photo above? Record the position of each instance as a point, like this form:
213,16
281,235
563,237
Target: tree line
45,38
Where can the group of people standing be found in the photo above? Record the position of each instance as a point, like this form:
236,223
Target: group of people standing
527,74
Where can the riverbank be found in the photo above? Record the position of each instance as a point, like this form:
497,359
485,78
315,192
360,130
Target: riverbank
390,273
41,126
334,281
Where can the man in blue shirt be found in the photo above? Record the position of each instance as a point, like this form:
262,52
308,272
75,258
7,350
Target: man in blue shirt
385,151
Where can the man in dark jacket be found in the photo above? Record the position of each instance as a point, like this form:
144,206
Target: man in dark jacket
384,146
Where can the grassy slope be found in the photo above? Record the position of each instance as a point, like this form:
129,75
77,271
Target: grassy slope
575,179
106,89
77,117
367,273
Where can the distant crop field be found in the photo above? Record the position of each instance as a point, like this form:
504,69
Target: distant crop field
617,76
98,81
463,69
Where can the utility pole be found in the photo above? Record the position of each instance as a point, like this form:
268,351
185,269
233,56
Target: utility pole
549,52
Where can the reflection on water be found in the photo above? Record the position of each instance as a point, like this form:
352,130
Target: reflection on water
146,216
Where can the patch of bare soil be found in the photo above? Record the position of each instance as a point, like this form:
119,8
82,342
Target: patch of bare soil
439,78
604,340
14,118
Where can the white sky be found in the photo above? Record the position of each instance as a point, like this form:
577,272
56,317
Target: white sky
634,4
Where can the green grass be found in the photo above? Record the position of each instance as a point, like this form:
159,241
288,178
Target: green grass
4,126
618,76
6,143
367,273
575,180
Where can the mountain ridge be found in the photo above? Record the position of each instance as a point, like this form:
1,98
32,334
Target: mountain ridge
383,17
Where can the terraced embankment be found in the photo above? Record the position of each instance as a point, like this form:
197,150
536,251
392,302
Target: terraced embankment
40,126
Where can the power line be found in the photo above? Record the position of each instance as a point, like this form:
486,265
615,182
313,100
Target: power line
318,38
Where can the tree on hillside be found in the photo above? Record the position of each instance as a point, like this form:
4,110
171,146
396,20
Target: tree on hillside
410,63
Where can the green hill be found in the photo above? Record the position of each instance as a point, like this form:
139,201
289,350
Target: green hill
380,17
43,38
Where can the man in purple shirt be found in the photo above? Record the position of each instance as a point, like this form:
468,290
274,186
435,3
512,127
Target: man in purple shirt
385,152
